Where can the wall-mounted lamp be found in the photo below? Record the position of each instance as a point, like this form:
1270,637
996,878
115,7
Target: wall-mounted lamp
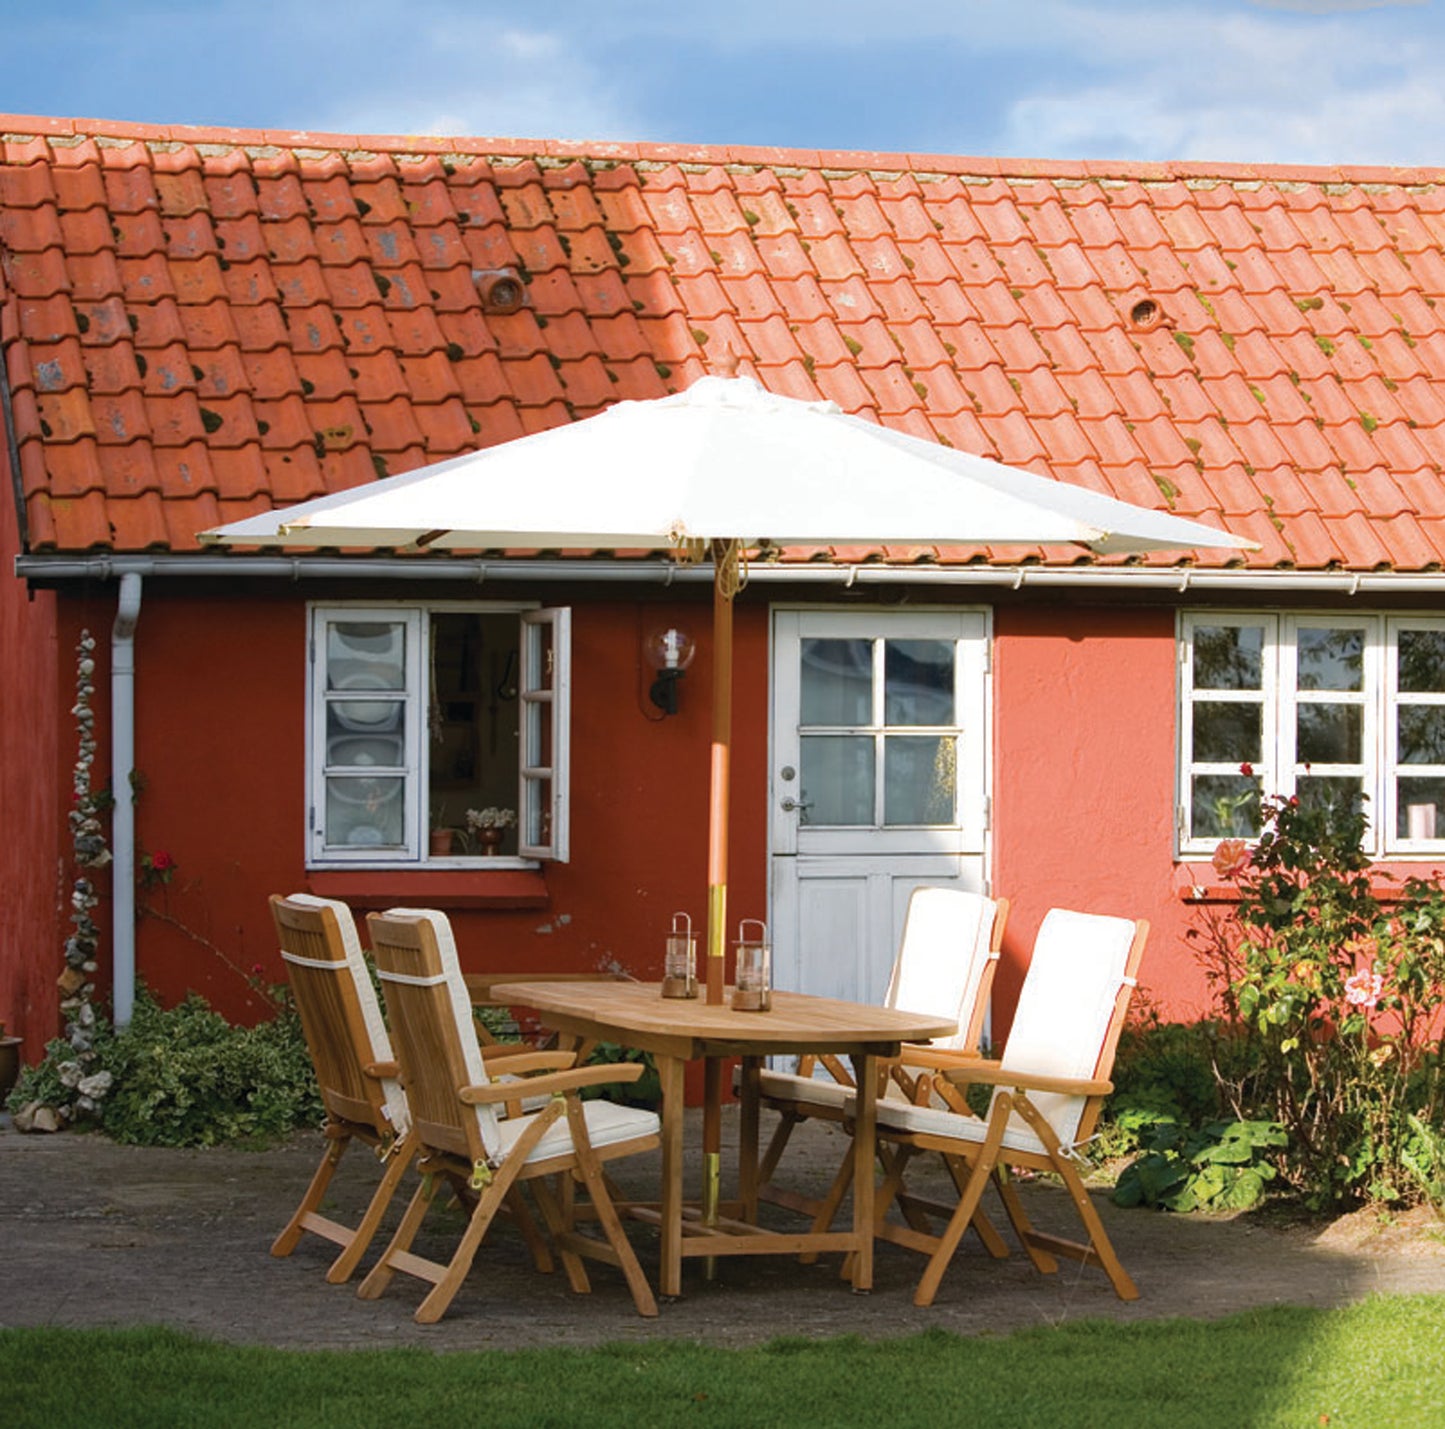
669,652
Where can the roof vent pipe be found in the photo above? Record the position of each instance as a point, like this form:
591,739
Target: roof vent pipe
122,767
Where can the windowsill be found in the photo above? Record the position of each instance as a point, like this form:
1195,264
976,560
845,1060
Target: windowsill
1382,886
517,887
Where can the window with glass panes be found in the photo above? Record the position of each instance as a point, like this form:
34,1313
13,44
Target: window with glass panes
1348,710
879,733
421,715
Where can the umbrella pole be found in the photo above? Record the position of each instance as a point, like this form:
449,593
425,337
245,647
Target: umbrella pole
725,585
725,556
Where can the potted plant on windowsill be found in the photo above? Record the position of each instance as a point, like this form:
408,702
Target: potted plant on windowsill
443,835
486,827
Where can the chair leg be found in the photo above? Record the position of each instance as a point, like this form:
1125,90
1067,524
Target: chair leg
1019,1220
559,1223
828,1206
590,1172
290,1237
434,1306
381,1273
962,1216
776,1145
527,1228
398,1158
993,1242
1099,1250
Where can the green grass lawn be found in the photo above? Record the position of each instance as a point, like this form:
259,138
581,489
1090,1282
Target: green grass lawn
1381,1363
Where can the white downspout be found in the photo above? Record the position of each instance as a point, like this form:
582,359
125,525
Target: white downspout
122,767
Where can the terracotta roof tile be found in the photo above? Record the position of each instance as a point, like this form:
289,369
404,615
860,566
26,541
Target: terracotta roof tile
214,324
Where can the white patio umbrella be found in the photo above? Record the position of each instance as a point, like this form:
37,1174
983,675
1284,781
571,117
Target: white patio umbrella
728,466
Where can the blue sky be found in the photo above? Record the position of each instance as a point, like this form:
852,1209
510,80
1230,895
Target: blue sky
1284,81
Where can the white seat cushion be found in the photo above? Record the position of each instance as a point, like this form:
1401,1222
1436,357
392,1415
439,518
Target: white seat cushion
607,1123
393,1098
789,1086
937,1121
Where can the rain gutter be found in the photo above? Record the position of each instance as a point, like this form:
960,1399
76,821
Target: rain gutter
1176,579
122,765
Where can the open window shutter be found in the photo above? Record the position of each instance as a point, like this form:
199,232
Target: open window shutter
545,691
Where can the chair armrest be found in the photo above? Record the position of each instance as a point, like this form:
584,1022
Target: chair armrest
529,1060
991,1074
553,1082
938,1058
382,1069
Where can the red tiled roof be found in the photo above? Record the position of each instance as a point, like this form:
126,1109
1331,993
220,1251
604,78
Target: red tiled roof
197,324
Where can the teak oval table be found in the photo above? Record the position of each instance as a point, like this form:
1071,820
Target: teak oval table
677,1031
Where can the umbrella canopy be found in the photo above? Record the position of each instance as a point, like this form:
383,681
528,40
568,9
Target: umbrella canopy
723,460
726,464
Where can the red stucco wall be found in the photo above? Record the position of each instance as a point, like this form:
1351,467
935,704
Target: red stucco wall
1084,785
220,691
32,803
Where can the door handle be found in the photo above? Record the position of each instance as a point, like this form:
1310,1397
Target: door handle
789,805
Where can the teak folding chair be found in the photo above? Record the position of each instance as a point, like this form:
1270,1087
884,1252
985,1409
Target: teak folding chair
945,964
1049,1087
462,1138
345,1034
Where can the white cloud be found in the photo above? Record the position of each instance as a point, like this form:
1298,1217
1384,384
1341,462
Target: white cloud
1240,87
491,80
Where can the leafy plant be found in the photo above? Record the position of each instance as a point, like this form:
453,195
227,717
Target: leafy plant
646,1091
185,1076
1223,1166
1335,1000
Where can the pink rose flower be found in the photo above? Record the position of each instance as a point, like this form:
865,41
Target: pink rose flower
1364,988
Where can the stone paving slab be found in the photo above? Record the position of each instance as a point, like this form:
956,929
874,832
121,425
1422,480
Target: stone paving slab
100,1234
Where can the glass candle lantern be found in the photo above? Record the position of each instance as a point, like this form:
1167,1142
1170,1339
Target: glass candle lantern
679,964
753,971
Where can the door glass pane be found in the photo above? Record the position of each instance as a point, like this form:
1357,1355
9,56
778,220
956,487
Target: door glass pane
1420,808
1422,661
918,683
1329,734
1223,806
837,682
920,776
1228,657
1330,659
364,812
837,779
1422,734
1228,733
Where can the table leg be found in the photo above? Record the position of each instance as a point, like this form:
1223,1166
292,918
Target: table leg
865,1073
748,1138
711,1149
669,1071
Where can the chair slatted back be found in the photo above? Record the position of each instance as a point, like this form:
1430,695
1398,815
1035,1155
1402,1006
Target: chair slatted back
340,1018
432,1031
1071,1011
947,957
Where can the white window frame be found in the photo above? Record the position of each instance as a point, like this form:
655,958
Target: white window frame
1278,769
539,688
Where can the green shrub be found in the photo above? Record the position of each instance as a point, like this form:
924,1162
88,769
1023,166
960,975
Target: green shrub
1223,1166
646,1091
185,1076
1336,1002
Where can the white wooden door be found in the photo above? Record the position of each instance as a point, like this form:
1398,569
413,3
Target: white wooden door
878,784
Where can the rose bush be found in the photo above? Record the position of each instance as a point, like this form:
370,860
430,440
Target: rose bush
1339,996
